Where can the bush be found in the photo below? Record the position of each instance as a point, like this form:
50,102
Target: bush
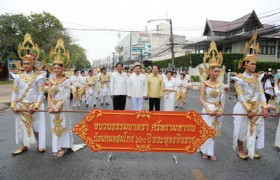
261,66
184,61
195,78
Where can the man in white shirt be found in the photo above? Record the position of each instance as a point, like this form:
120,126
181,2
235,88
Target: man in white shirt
118,87
137,88
268,89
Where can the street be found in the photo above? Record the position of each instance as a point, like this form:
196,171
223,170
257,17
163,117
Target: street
85,164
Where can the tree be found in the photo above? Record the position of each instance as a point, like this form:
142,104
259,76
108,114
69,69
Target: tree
45,29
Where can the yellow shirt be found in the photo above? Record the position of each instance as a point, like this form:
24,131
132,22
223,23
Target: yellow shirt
155,86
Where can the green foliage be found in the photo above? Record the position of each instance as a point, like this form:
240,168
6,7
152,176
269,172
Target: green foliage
261,66
184,61
45,29
195,78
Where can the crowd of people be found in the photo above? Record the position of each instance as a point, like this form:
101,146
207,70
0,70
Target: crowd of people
137,86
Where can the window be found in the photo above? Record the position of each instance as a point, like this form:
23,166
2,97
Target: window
267,47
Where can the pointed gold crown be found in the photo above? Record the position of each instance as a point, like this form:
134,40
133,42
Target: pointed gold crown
59,55
251,51
214,58
27,50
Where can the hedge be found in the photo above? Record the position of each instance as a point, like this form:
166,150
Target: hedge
184,61
261,66
230,61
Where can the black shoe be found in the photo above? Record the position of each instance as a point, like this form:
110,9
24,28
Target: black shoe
107,104
101,104
176,106
94,105
87,105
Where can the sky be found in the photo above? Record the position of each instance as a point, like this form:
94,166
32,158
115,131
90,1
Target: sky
188,17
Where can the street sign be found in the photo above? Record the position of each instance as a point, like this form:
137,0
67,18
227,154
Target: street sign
143,131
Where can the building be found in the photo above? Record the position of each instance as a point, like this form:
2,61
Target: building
231,36
139,46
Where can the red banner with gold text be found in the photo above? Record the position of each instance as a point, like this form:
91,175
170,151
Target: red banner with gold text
143,131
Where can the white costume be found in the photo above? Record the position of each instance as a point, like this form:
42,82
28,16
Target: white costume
91,94
277,101
83,88
215,100
104,81
181,92
27,93
77,90
60,122
250,97
169,97
137,89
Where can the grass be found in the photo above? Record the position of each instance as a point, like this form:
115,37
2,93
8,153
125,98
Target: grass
5,82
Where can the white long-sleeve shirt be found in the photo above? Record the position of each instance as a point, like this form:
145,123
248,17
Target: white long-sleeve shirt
137,86
76,81
118,83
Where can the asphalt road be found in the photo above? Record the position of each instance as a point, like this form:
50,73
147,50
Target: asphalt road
85,164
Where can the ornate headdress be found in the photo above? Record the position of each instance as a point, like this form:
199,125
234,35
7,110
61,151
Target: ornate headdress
251,50
59,55
213,58
27,50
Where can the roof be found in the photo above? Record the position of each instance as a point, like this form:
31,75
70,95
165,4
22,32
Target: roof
227,26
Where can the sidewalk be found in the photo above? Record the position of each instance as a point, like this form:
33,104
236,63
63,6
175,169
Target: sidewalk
5,96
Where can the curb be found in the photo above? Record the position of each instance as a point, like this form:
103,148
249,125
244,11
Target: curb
4,106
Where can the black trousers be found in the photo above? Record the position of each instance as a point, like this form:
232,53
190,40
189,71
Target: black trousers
154,102
119,102
268,97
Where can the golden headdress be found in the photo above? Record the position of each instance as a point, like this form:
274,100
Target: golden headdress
214,58
59,55
27,50
251,50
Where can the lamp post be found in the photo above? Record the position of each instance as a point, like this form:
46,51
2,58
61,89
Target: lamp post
171,39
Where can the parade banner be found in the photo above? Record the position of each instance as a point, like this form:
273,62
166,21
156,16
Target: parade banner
143,131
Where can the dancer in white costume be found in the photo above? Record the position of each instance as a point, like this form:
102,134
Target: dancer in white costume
182,89
212,98
91,94
277,102
83,87
58,99
251,100
104,81
169,90
77,89
27,97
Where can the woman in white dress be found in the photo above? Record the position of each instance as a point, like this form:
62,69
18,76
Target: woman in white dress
277,102
169,89
59,99
212,98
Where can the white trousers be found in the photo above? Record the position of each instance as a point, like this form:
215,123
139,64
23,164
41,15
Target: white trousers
104,94
91,95
137,103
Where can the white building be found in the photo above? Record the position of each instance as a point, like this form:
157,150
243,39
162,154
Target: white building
137,46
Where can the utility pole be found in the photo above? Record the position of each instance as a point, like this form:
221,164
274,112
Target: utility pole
172,45
171,39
